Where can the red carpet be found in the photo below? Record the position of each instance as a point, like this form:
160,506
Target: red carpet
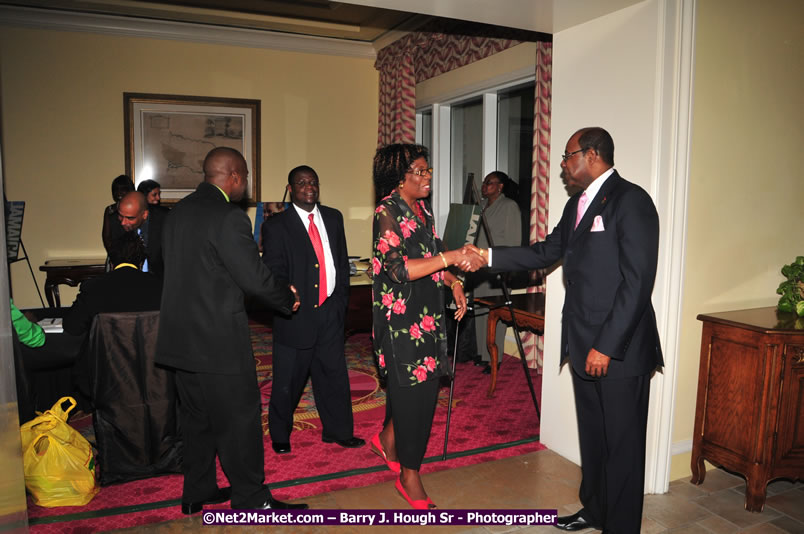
481,430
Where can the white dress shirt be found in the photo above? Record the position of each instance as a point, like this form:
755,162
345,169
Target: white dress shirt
322,231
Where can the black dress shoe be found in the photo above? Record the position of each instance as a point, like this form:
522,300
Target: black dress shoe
350,443
575,521
272,504
222,495
280,448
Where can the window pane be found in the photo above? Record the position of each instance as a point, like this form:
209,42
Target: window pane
466,146
515,145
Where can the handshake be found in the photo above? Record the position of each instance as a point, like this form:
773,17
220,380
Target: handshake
468,258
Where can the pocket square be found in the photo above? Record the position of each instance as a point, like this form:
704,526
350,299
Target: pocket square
597,224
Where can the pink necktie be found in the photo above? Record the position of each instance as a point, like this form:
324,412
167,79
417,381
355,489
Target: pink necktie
315,238
581,206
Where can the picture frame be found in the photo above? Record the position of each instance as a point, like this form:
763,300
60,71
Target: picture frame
168,136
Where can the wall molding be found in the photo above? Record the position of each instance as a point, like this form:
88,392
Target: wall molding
180,31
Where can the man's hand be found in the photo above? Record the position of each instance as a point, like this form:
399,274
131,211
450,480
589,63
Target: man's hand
295,296
473,258
597,363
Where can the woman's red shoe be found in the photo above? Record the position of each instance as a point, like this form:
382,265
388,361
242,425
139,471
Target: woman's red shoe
376,448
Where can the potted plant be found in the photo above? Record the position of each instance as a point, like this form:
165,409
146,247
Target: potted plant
792,289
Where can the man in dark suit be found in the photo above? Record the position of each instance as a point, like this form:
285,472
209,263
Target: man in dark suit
135,216
124,289
211,263
306,246
608,241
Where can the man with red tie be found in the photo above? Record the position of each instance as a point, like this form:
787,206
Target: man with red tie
306,247
608,242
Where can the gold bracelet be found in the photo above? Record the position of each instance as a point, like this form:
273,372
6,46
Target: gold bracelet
446,265
457,282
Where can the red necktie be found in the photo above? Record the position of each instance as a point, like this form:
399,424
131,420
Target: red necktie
581,205
315,237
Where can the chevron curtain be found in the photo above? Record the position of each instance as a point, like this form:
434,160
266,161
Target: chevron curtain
533,344
414,58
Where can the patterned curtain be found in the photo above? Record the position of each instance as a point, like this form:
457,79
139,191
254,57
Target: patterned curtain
417,57
533,344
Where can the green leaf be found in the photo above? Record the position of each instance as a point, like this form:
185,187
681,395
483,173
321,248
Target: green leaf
785,305
800,308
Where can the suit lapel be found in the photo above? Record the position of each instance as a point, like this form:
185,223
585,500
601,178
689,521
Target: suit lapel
598,204
298,232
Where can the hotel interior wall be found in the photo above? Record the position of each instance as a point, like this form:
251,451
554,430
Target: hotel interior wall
746,195
62,98
744,211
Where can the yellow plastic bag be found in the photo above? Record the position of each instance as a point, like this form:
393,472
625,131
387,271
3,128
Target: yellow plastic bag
58,462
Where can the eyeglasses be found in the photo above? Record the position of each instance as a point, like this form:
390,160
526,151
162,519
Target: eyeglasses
305,183
565,156
421,172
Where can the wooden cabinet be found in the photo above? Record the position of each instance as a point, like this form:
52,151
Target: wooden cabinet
749,416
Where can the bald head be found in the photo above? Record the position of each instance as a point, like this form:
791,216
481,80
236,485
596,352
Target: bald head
226,168
132,210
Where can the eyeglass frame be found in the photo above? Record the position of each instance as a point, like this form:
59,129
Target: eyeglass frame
420,172
566,156
305,183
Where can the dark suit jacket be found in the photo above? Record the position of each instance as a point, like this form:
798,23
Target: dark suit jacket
608,275
287,250
123,290
156,224
211,263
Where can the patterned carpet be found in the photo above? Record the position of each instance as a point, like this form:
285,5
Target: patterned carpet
482,430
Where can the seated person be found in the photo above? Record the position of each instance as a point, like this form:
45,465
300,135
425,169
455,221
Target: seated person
125,289
112,229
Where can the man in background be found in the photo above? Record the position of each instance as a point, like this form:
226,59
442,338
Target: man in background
135,216
306,246
505,227
212,263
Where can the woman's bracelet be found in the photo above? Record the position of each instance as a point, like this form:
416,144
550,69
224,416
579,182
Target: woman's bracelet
446,265
457,282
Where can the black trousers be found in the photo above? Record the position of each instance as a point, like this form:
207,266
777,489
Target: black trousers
325,364
412,409
220,415
612,424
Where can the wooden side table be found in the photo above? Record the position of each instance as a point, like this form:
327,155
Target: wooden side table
529,313
749,416
69,271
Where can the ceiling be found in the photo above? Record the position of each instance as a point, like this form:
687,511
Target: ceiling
375,22
319,18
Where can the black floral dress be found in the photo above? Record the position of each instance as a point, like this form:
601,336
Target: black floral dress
409,330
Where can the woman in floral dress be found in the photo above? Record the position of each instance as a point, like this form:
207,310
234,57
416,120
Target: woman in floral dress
410,271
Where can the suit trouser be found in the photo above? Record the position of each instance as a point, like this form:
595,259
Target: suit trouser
612,423
220,415
325,364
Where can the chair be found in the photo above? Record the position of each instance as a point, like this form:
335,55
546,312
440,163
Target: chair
135,409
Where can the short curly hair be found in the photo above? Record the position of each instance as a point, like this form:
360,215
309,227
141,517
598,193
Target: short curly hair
128,248
391,162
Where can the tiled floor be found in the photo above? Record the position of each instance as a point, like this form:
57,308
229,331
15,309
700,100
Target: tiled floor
546,480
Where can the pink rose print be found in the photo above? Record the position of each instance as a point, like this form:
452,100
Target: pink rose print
437,276
382,359
388,300
429,362
376,265
379,209
382,246
428,323
405,259
415,333
388,315
399,306
408,226
392,238
420,373
428,255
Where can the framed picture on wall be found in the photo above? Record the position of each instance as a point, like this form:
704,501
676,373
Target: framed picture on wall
168,136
